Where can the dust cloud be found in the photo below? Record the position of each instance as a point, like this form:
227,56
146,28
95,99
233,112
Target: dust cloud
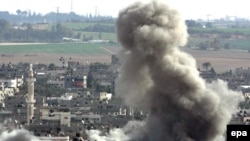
156,76
17,135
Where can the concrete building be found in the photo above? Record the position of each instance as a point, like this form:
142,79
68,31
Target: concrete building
57,116
5,92
76,82
66,138
87,118
105,96
9,82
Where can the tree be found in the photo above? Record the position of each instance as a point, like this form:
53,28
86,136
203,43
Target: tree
24,13
192,23
78,35
18,12
227,46
216,44
4,24
213,71
100,35
52,66
90,80
29,27
203,46
71,71
206,65
62,31
209,25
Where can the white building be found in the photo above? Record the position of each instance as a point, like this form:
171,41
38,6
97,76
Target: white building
105,96
9,82
12,82
55,114
87,118
54,138
68,96
5,92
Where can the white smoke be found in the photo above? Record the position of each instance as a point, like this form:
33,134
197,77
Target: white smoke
8,132
17,135
128,132
158,77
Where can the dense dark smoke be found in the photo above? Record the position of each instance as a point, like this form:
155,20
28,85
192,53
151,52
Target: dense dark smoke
158,77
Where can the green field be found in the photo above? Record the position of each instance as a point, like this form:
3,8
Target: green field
238,44
241,44
105,35
82,25
222,30
195,41
76,26
76,48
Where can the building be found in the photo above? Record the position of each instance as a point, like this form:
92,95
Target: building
105,96
12,82
5,92
57,116
87,118
50,138
76,82
57,83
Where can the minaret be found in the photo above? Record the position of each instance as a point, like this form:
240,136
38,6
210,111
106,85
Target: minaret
30,99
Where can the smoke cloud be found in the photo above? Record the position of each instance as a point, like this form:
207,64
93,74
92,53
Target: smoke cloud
163,80
157,77
17,135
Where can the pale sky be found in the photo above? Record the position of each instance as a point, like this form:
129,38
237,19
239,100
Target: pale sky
189,9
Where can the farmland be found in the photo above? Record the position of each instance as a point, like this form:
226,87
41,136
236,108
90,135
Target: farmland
50,53
240,44
82,25
60,48
221,60
221,30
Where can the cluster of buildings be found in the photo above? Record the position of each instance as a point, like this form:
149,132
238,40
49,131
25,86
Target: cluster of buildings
89,101
82,107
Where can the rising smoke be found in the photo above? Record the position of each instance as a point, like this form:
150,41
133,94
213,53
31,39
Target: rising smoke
17,135
158,77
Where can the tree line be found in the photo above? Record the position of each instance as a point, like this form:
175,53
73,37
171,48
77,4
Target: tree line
28,34
22,16
100,28
54,33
